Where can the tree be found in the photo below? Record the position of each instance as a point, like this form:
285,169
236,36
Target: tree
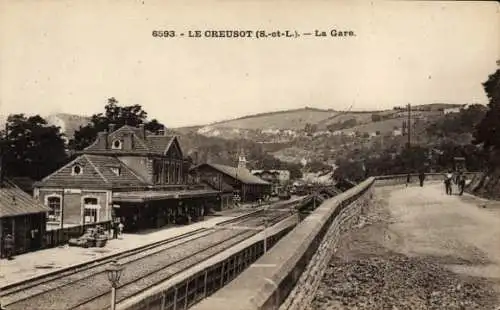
488,130
310,128
31,147
295,171
132,115
317,166
376,118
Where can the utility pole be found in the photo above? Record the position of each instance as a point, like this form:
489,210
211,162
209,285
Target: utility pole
408,145
4,147
408,126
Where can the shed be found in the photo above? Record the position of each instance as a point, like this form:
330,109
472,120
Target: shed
23,217
248,186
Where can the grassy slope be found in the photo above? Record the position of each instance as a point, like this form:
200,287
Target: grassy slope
292,119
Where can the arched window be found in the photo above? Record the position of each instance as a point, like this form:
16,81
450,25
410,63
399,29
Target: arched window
116,145
54,203
77,170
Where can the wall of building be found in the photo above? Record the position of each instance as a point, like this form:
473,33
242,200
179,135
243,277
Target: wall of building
27,230
73,203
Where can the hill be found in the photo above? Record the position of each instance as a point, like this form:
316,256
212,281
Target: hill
314,119
289,119
69,123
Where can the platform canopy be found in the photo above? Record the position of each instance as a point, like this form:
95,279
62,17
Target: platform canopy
144,196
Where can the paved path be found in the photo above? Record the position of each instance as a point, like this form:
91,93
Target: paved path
426,221
32,264
417,248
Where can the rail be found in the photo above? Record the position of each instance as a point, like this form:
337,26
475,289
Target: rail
268,283
152,266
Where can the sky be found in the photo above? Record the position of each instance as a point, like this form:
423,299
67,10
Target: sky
70,56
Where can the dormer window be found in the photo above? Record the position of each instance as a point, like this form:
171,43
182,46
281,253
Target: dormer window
116,170
77,170
116,145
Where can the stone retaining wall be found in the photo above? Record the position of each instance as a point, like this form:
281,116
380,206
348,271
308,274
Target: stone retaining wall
268,282
304,290
287,277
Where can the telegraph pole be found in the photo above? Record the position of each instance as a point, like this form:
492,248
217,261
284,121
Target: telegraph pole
3,152
408,126
408,145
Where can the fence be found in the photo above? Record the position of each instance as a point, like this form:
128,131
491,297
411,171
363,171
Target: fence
56,237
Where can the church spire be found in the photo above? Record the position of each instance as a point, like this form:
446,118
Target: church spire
242,161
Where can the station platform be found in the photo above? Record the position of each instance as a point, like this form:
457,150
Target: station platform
33,264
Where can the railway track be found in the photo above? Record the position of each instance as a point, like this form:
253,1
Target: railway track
86,286
90,290
18,288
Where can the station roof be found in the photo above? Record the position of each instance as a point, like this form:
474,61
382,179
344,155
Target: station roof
96,173
15,202
144,196
241,174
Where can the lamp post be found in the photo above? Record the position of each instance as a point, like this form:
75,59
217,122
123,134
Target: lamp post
114,273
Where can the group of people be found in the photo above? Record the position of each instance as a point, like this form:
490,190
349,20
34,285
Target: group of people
458,178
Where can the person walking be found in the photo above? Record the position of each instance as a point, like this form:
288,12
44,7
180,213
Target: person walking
114,227
120,228
461,184
421,177
9,246
447,182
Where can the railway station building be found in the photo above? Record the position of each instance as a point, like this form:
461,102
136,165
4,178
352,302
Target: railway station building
246,186
128,174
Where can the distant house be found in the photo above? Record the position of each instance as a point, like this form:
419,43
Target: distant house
128,174
455,109
272,177
246,185
23,217
397,132
277,178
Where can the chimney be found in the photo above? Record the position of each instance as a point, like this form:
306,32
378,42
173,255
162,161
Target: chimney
128,142
142,131
102,140
111,127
